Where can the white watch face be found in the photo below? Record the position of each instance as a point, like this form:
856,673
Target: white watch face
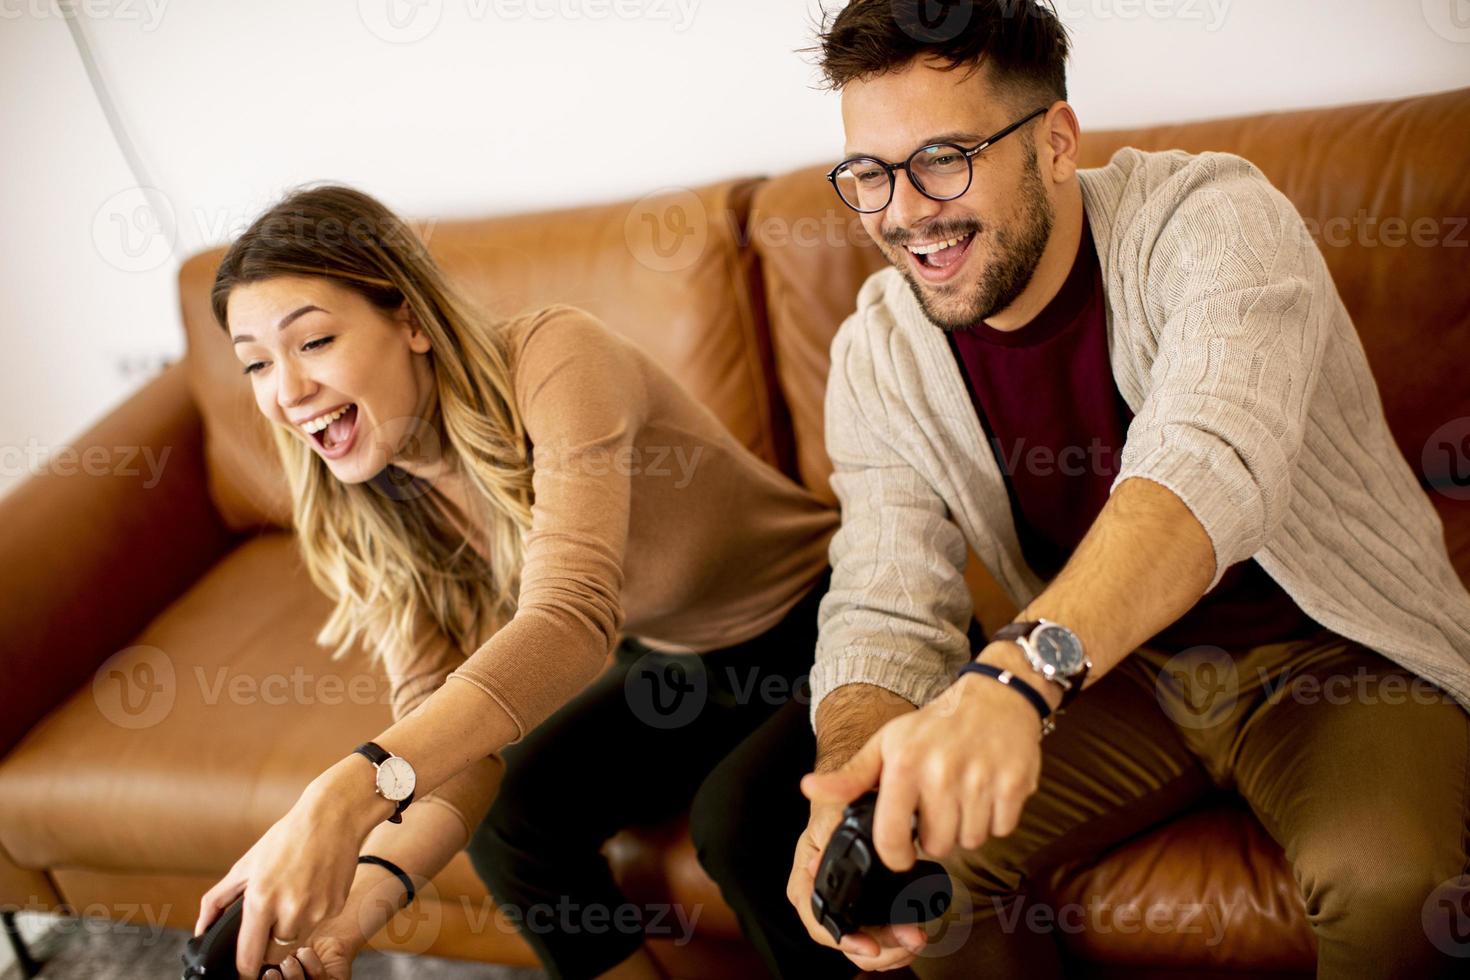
395,779
1059,648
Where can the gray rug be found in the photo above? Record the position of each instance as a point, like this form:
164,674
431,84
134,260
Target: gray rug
95,949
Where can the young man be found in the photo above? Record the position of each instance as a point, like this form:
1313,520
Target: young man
1135,393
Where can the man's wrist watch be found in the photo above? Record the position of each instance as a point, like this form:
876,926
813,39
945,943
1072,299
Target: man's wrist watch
1053,651
395,777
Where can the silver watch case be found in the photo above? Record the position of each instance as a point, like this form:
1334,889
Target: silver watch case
395,778
1054,652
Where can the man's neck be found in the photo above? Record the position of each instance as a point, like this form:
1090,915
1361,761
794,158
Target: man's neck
1051,271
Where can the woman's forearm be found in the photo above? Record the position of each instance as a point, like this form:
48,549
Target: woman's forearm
429,837
453,728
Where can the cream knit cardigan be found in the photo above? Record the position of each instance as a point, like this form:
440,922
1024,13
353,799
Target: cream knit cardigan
1253,402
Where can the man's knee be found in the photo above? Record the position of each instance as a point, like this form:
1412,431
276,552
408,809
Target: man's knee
994,870
1377,889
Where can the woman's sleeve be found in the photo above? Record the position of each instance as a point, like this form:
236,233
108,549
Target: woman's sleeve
583,399
411,679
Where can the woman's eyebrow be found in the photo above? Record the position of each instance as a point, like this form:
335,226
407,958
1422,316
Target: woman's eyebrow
285,321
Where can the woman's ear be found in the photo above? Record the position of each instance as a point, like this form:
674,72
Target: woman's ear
418,338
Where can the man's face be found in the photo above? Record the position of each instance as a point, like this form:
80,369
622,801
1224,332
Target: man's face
1002,223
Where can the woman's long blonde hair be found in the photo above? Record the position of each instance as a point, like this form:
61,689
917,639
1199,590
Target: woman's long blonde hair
382,550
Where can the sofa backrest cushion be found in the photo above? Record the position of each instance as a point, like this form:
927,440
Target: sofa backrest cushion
668,271
1383,186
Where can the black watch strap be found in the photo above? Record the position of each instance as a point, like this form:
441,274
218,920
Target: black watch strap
1016,631
1074,685
1009,679
373,751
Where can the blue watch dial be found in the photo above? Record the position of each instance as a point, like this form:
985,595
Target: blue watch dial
1059,647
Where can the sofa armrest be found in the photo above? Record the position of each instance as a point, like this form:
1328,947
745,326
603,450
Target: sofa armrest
115,526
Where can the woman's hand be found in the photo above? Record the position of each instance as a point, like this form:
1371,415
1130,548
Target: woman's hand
322,958
295,877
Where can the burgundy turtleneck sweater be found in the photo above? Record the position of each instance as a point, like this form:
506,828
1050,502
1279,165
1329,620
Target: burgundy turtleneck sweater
1047,401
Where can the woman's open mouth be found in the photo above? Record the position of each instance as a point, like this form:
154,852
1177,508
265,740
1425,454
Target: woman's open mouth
937,262
338,437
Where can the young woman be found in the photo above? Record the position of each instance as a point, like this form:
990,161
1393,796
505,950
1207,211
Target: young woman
495,504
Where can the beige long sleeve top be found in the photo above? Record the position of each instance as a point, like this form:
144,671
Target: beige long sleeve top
649,519
1253,402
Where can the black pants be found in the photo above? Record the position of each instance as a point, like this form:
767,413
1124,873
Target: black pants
723,734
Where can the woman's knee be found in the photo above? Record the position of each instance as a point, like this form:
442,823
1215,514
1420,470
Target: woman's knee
532,811
715,826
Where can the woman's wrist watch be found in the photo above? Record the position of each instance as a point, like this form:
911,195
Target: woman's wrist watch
395,777
1053,651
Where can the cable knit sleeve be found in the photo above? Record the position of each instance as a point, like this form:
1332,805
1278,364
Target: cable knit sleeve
898,607
583,400
1239,332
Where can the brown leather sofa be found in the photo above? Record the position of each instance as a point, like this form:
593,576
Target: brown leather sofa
163,702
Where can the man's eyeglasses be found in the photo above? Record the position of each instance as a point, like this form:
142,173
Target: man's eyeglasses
939,171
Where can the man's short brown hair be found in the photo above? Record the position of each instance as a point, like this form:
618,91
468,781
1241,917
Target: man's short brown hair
1021,41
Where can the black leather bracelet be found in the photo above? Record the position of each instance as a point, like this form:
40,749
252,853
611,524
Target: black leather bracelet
385,863
1009,679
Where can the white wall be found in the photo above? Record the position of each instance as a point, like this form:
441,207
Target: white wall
456,107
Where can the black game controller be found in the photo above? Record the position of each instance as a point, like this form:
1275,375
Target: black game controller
855,888
211,954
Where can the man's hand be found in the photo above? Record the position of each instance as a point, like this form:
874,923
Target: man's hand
885,948
965,763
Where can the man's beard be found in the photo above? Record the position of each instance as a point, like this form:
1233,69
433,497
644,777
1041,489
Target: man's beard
1008,274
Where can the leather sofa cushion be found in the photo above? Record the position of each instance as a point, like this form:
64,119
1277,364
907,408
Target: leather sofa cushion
667,271
1350,171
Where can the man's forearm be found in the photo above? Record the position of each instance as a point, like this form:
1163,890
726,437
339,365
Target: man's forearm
848,717
1145,562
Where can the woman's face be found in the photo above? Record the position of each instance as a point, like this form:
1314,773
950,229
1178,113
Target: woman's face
312,348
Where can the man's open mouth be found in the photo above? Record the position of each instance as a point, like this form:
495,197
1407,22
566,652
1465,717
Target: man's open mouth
942,254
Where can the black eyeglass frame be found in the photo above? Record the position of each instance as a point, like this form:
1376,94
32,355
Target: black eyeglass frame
968,153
